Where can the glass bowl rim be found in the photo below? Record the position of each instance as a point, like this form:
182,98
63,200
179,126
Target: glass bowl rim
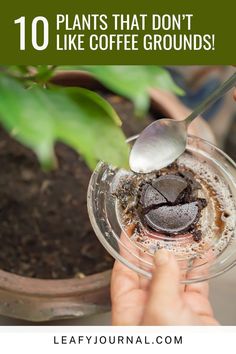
121,259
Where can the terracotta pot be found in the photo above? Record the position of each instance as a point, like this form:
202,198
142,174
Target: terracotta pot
42,300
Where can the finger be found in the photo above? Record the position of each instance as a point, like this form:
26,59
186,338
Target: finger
165,281
122,276
128,300
183,266
199,304
123,280
201,288
164,293
147,261
209,321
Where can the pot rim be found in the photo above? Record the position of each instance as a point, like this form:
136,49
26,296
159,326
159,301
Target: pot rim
51,287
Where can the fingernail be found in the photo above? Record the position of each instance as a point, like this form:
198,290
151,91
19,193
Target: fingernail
161,257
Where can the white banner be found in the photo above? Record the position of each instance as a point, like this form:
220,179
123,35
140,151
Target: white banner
74,339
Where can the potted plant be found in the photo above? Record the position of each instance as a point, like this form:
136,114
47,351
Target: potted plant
52,264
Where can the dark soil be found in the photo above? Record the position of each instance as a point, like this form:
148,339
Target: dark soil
44,227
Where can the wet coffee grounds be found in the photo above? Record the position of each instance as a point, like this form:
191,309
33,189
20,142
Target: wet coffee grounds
167,202
170,205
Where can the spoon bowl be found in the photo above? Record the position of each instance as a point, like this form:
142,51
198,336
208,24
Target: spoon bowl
158,153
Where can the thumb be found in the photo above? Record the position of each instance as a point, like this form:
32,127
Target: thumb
164,296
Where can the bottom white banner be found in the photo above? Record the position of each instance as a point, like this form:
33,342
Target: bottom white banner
73,339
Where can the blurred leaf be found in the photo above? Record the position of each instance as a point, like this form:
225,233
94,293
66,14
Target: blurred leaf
23,115
87,123
162,79
75,116
132,81
30,74
43,73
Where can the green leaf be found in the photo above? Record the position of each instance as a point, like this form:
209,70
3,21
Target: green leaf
132,81
23,115
87,123
43,73
75,116
162,79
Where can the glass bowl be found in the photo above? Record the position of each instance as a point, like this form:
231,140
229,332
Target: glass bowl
214,255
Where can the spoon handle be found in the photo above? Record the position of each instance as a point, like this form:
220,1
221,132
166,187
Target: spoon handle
214,96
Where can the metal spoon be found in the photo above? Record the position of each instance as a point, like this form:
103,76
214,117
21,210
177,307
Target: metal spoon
163,141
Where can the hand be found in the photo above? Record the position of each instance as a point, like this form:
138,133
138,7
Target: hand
162,301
